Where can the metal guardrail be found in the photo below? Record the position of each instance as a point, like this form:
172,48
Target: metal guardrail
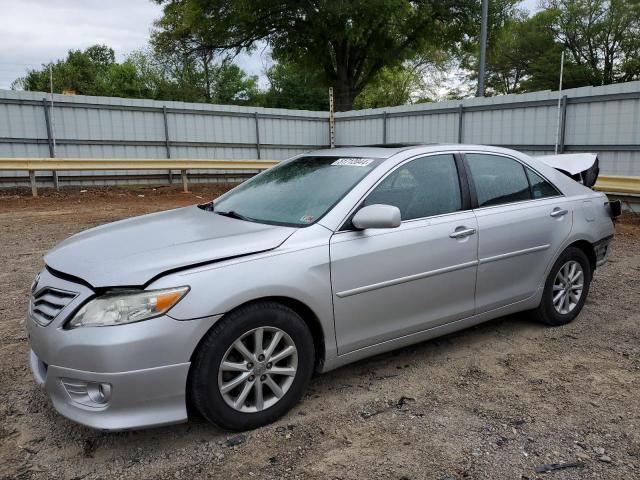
75,164
606,183
618,184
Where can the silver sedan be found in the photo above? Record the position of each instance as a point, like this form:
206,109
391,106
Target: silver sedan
325,259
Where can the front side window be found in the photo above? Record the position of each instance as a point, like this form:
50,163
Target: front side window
497,179
295,193
421,188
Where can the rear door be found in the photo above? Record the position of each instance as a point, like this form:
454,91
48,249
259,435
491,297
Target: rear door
522,222
393,282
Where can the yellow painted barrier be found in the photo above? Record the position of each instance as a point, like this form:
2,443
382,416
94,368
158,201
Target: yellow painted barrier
618,184
55,164
33,164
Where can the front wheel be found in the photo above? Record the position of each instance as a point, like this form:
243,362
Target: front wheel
253,366
566,288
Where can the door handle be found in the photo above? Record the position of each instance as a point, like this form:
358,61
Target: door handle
463,232
559,212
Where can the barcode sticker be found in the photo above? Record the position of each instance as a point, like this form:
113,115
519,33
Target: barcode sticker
353,162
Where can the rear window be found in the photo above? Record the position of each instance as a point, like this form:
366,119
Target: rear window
540,188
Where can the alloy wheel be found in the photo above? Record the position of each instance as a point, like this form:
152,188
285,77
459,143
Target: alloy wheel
567,287
258,369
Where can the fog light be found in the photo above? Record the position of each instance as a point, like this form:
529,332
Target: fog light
91,394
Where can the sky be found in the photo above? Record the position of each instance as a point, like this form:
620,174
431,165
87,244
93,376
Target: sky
33,32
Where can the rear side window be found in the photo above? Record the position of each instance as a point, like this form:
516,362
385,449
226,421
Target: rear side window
540,188
420,188
497,179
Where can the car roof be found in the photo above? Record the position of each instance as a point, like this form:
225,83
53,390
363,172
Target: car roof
371,152
388,151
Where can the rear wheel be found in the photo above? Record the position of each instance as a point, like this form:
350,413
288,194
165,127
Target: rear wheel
252,367
566,288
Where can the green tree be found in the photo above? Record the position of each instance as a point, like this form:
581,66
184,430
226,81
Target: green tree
394,86
349,42
504,15
601,41
294,86
602,37
231,85
79,72
145,74
538,55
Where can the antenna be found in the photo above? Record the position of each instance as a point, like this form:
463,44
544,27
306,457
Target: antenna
559,101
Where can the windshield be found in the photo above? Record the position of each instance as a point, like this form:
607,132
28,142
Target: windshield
295,193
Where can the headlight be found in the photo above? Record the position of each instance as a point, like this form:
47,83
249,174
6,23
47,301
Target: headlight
117,308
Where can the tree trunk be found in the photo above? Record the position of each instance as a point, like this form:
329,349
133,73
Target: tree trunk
344,79
344,96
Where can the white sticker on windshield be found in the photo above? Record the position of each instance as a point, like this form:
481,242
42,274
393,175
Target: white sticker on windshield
353,162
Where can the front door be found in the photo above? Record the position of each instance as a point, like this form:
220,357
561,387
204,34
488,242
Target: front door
393,282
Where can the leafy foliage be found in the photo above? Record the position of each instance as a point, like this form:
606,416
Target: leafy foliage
95,71
394,86
601,40
348,42
297,87
374,53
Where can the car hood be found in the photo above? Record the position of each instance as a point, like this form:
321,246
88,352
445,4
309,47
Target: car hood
131,252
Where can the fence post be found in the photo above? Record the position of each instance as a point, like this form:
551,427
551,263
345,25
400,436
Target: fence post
185,181
255,116
460,114
167,146
34,185
563,123
332,120
52,149
384,127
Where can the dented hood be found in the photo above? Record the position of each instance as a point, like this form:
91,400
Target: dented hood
131,252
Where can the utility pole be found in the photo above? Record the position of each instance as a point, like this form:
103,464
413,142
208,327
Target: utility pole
559,102
483,47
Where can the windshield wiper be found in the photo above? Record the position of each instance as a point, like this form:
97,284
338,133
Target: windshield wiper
234,214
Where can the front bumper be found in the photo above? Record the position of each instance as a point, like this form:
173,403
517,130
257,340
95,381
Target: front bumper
115,378
138,399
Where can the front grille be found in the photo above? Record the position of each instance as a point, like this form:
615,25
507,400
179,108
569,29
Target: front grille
47,303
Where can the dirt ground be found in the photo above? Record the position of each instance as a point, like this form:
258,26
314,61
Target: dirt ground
491,402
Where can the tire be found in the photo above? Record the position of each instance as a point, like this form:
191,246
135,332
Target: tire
558,313
208,380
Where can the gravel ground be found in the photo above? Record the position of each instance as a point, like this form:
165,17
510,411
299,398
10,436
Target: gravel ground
494,401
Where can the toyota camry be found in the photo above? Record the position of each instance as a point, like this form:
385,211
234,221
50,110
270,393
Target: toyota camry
228,308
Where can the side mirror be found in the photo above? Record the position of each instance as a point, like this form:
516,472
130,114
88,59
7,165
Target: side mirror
377,216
